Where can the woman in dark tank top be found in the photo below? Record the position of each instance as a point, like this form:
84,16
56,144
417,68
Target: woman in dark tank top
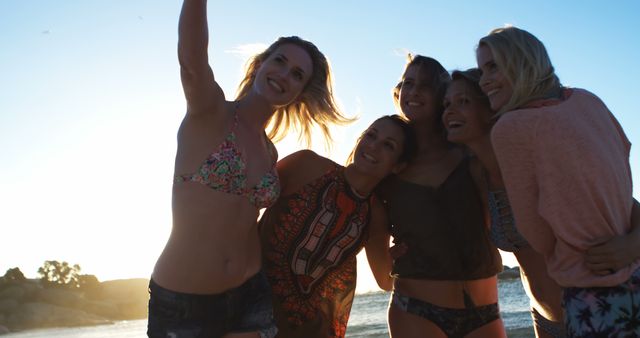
443,228
445,267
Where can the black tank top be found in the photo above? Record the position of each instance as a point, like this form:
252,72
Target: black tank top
444,228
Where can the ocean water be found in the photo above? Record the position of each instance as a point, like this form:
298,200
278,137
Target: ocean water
368,319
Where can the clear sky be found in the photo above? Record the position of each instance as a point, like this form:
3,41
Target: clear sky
90,99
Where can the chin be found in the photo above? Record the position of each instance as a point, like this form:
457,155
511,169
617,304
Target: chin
455,140
497,106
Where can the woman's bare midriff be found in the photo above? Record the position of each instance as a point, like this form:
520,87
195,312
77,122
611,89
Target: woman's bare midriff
214,244
449,293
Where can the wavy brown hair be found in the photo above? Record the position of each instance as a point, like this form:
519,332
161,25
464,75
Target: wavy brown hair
316,104
438,79
409,141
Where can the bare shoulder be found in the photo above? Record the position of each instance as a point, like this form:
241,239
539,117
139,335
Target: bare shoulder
299,157
301,167
219,121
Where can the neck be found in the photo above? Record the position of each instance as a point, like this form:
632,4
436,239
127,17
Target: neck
361,184
431,142
428,138
484,151
432,150
255,110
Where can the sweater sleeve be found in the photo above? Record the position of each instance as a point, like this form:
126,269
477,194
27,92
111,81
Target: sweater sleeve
513,139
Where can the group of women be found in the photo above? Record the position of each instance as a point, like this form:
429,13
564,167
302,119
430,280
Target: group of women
502,156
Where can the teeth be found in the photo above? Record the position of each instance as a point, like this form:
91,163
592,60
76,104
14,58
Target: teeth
369,157
455,124
413,104
276,85
491,92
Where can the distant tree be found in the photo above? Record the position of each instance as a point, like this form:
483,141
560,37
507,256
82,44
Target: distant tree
54,273
88,282
14,275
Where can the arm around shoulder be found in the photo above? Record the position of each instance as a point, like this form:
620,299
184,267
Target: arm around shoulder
619,251
377,246
297,168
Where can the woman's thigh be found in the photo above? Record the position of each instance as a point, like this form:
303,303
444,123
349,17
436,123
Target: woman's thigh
492,329
406,325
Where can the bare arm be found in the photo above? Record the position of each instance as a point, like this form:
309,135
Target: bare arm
299,168
619,251
201,91
377,247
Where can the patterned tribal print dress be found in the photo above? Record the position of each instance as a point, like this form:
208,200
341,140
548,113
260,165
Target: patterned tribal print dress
309,241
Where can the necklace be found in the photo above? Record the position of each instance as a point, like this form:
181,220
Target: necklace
356,192
353,190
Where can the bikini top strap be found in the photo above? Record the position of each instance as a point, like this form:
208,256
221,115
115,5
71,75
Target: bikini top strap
273,151
235,117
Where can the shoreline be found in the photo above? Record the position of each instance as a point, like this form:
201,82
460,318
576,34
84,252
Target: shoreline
122,301
137,328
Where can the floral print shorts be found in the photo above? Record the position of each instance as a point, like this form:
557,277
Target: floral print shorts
604,311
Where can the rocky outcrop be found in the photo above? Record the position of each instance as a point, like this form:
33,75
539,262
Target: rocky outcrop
37,315
509,273
28,305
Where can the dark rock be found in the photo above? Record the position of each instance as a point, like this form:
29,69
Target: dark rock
509,273
28,305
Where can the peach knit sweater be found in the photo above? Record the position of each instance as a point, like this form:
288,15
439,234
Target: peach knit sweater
567,174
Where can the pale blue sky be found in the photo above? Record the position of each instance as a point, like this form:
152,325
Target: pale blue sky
90,99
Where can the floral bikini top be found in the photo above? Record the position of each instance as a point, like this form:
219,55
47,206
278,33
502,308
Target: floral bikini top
225,170
504,233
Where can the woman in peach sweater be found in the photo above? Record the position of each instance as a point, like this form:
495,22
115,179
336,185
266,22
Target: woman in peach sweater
564,159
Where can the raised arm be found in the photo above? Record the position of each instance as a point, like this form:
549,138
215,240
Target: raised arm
201,91
617,252
377,247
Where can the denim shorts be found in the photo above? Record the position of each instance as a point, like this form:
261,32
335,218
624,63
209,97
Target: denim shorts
247,308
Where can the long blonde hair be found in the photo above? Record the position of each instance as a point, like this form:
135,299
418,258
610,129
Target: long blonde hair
525,63
316,105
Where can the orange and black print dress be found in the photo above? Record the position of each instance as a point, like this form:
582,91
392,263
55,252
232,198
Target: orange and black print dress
309,242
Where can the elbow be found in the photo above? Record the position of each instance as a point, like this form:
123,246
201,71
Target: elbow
386,283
